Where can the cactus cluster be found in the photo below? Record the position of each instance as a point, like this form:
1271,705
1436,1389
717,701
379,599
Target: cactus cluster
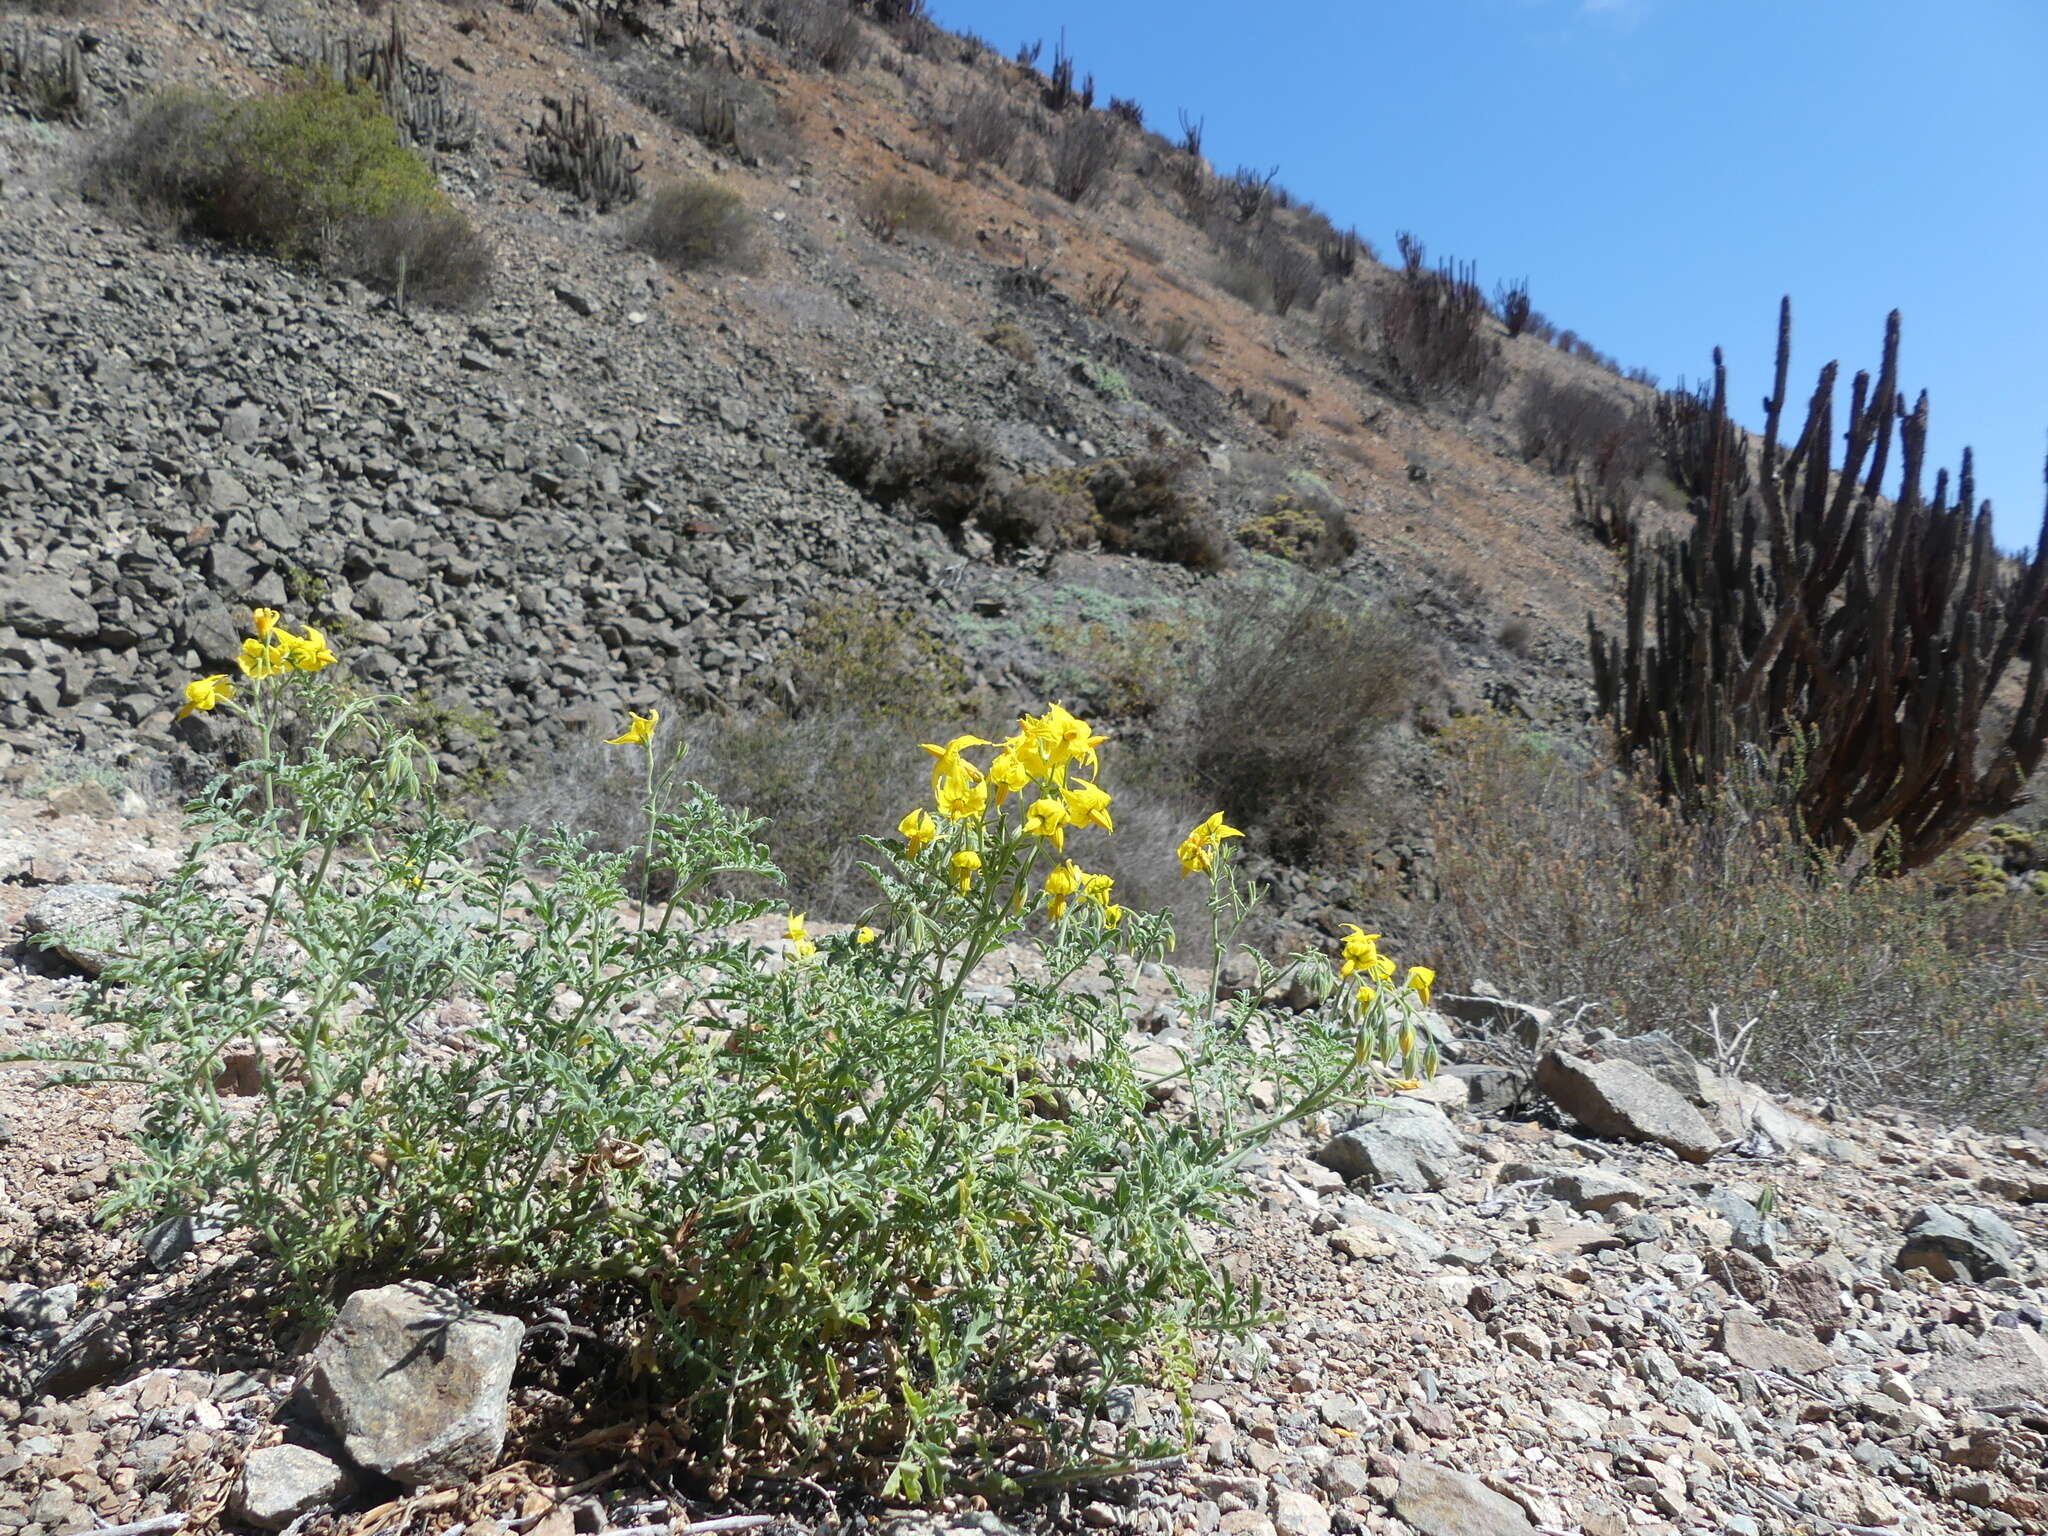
416,95
574,150
47,78
1865,639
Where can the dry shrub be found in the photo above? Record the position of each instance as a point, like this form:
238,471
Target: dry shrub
1562,880
728,112
1178,335
1297,684
981,128
823,33
691,224
1244,280
1566,424
1084,152
429,255
1013,341
899,206
1148,505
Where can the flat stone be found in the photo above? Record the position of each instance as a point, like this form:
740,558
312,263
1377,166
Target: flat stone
414,1383
2006,1365
1585,1190
1436,1501
39,603
1756,1346
84,924
282,1482
1619,1098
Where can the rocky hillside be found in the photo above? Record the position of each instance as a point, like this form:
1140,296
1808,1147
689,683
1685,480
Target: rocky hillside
594,489
1631,1297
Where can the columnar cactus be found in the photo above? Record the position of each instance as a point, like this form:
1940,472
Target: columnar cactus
1866,637
575,151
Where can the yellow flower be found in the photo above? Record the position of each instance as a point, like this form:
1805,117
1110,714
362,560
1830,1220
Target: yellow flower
950,764
203,693
308,653
866,935
1048,742
965,863
1008,773
1381,969
1088,805
1096,888
1406,1039
638,734
1198,848
918,829
799,937
1112,914
265,620
1360,950
1367,992
961,798
1061,884
1420,980
259,659
1047,818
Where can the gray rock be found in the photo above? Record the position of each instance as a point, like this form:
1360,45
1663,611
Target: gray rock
41,603
1584,1190
1386,1227
84,924
1439,1502
1658,1054
1619,1098
282,1482
1965,1242
1755,1346
1496,1018
415,1384
2006,1365
1403,1142
1489,1090
386,597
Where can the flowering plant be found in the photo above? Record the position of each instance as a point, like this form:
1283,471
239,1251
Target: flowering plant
839,1199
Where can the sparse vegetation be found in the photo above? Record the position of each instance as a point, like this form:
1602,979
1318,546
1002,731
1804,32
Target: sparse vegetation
692,224
1566,425
1325,674
900,206
1434,335
1013,341
1085,149
316,172
1563,882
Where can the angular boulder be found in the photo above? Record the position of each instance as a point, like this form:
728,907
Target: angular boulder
1403,1142
414,1383
1435,1501
1958,1242
1618,1098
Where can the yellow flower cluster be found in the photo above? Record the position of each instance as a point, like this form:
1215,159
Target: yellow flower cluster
1198,848
1362,957
271,650
1043,760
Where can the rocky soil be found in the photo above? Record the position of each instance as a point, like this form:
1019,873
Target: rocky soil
1629,1296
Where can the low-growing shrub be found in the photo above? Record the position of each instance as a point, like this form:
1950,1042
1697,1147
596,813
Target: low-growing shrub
1012,340
1244,280
1325,675
899,206
1308,531
315,172
692,224
822,33
1150,505
825,1211
1084,151
981,128
1566,425
730,113
1562,880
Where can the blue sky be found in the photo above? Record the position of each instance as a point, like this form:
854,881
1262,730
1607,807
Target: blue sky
1660,170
